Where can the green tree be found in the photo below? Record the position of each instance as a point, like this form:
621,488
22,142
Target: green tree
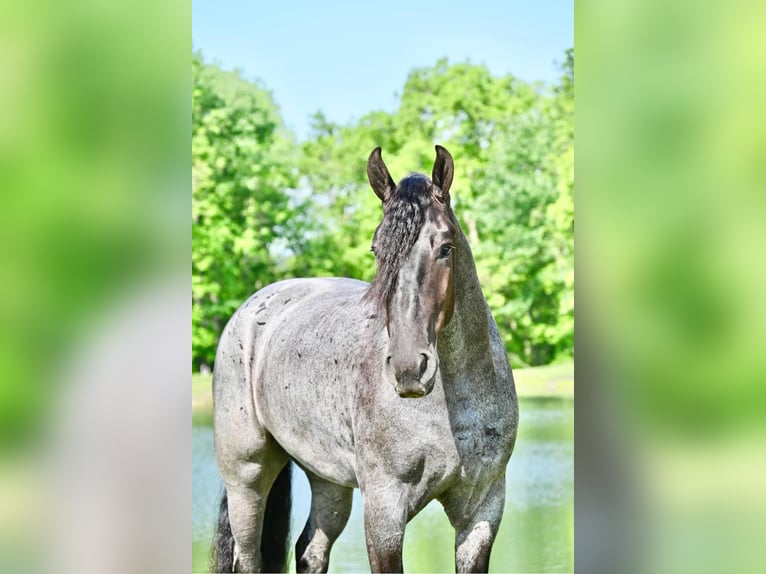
242,171
526,227
343,209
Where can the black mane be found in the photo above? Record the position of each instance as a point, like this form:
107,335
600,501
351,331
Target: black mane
403,217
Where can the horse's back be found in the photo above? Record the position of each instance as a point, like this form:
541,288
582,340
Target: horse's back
269,306
267,301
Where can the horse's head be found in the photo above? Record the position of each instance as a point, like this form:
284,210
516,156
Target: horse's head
414,249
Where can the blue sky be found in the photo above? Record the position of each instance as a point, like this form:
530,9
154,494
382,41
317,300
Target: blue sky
347,58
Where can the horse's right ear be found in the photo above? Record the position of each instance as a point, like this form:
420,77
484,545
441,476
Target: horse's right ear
380,179
444,170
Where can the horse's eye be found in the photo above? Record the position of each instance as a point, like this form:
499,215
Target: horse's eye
446,249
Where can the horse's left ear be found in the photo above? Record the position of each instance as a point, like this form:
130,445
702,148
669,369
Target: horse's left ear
444,170
380,180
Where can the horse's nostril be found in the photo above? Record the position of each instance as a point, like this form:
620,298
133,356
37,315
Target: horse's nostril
423,363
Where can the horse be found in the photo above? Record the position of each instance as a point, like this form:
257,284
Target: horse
400,387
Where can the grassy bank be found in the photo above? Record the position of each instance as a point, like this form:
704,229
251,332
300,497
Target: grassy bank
553,381
202,399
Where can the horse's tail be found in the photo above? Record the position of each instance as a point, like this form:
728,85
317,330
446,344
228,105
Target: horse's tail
222,552
276,523
275,535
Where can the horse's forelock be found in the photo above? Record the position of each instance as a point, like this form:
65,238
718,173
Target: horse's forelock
403,217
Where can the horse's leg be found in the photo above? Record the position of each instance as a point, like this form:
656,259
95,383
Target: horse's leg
246,507
385,516
475,531
248,489
330,509
249,461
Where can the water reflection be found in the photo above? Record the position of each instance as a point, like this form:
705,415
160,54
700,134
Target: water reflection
536,535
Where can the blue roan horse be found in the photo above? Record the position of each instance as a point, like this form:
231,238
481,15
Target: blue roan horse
401,388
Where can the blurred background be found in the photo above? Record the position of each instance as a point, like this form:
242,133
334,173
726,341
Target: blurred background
94,382
671,201
94,183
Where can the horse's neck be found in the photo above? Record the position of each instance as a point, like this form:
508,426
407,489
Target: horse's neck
464,342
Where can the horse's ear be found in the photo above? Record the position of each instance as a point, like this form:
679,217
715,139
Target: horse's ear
380,179
444,170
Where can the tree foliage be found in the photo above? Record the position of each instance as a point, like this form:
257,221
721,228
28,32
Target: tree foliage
242,171
267,208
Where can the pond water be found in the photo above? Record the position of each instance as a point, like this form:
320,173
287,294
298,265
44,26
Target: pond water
536,534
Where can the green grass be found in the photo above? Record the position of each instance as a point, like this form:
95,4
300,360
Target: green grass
551,381
200,556
202,399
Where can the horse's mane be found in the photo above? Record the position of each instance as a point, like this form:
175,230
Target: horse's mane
403,217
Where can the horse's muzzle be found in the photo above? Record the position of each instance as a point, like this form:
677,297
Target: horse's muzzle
413,378
411,391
